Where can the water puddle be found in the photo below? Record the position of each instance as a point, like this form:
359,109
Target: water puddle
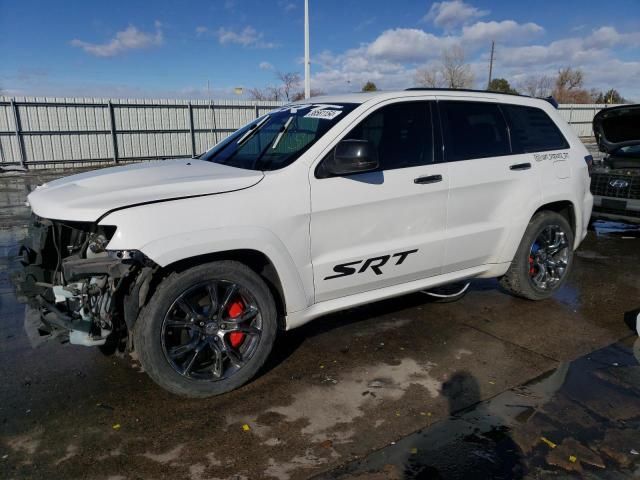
583,417
617,229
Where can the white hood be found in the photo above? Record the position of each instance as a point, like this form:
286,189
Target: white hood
85,197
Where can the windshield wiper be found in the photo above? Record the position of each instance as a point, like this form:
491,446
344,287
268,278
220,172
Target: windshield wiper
282,131
249,133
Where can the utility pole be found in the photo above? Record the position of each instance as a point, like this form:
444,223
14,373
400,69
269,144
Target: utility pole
493,45
307,60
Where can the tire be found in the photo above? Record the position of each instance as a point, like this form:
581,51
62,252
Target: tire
449,293
164,325
520,279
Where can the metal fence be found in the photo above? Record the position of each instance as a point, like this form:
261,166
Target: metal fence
66,132
580,116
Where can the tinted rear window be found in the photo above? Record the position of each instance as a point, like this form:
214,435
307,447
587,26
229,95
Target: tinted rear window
473,130
532,130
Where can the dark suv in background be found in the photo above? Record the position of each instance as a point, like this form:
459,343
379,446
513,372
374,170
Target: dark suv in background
615,181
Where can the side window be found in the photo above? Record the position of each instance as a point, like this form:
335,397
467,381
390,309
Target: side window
401,132
473,130
532,130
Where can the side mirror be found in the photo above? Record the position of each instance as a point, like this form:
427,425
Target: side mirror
352,156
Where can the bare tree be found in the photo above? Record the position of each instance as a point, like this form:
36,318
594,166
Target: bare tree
455,72
297,96
270,93
428,77
537,86
570,79
258,94
451,72
569,87
290,82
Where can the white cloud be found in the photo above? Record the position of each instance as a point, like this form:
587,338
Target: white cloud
247,37
201,30
287,5
506,29
453,13
408,45
416,45
392,58
266,66
607,37
128,39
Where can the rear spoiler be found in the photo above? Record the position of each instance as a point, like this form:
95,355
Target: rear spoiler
551,100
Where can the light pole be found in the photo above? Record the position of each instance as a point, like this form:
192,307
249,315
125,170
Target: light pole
307,60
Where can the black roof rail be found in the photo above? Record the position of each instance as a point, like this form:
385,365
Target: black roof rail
549,99
462,90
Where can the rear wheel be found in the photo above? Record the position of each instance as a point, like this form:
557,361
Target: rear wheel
544,258
207,330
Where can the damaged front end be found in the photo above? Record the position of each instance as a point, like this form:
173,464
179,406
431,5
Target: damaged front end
81,292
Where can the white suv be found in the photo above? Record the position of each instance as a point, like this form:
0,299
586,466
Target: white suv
312,208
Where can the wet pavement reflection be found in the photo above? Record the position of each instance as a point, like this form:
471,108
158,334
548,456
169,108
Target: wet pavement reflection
583,417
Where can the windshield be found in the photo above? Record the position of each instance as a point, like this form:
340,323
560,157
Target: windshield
277,139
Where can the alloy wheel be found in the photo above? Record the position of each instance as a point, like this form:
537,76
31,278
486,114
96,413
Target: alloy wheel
211,330
549,258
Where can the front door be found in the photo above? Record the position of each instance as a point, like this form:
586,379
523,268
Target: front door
377,229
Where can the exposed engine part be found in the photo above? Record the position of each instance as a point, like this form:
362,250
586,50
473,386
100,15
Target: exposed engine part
97,245
83,292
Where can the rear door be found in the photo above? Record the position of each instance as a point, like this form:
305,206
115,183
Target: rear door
381,228
490,187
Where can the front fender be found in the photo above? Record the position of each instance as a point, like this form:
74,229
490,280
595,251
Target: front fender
184,245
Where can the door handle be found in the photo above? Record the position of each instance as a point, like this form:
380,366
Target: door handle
428,179
520,166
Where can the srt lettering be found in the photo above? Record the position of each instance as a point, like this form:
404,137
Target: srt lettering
373,263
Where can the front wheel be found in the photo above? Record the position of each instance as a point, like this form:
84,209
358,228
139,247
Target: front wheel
207,330
544,258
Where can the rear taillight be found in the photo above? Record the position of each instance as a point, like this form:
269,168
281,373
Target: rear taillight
589,160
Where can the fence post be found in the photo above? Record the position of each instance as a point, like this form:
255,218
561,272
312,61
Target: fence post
571,114
114,136
255,108
19,138
191,131
213,124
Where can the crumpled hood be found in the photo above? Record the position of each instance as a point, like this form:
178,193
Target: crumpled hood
86,197
617,127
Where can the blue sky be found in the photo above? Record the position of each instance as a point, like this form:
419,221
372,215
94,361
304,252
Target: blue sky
171,49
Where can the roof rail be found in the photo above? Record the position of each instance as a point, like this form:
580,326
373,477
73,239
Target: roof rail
463,90
549,99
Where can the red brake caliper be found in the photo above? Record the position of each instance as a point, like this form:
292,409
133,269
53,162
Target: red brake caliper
235,310
532,268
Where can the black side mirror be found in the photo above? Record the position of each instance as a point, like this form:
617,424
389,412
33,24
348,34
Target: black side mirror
352,156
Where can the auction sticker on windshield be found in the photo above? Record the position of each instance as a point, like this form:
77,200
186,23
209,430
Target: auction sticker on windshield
323,114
